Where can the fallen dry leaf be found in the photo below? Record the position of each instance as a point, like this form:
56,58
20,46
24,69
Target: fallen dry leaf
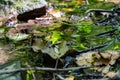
4,57
98,59
2,20
1,23
110,75
85,59
56,13
70,78
17,35
114,1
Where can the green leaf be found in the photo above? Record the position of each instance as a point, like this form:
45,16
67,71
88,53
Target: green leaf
56,36
55,52
84,29
80,47
2,32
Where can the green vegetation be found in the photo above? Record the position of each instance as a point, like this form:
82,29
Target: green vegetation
62,38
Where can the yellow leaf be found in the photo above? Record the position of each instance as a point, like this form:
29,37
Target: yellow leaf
70,78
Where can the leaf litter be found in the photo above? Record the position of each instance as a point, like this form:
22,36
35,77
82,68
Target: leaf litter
58,48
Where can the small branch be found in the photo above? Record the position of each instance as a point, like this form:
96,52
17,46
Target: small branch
107,33
60,77
17,49
87,2
33,75
56,64
98,10
43,69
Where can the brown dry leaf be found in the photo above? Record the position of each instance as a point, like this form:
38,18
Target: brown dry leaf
14,35
110,75
106,55
23,26
114,1
85,59
103,59
70,78
1,23
106,69
101,62
4,57
97,59
2,20
99,69
114,56
108,58
38,33
39,44
46,19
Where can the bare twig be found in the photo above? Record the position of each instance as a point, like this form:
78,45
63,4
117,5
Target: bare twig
107,33
60,77
33,75
96,47
56,63
87,2
98,10
17,49
43,69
